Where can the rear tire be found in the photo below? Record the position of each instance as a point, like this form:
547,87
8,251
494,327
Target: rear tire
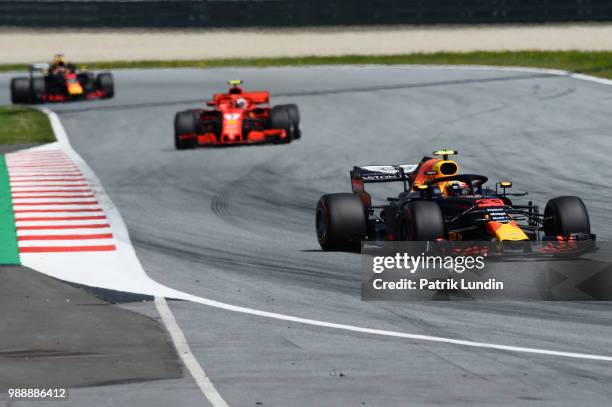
20,90
184,123
566,215
294,115
422,221
280,119
341,222
106,84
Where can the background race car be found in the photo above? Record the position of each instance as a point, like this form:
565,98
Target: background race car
42,85
437,203
237,117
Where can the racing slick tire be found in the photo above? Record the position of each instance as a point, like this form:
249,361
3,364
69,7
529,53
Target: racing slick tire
106,84
280,119
421,221
38,88
341,222
294,115
566,215
184,123
20,90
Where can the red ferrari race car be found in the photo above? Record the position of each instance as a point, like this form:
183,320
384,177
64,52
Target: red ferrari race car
60,81
237,117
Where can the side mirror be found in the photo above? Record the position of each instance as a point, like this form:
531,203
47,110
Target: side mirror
503,185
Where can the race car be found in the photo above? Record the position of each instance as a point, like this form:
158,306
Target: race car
237,117
60,81
438,203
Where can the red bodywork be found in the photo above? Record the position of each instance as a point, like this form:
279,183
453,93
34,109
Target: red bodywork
225,123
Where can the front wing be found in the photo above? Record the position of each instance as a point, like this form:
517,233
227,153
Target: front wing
252,137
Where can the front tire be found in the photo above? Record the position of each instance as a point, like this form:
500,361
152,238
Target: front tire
566,215
280,119
184,124
106,84
422,221
341,222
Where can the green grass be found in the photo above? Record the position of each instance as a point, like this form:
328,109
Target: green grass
24,125
593,63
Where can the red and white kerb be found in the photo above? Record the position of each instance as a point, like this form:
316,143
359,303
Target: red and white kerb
55,208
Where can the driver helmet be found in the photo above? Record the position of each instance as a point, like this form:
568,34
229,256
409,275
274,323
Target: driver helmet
59,60
241,103
457,188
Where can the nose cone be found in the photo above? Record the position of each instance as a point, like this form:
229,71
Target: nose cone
75,89
506,231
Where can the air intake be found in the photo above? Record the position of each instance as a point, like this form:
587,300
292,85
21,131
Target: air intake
448,168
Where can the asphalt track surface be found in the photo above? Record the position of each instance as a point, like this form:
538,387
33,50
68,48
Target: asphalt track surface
237,225
56,327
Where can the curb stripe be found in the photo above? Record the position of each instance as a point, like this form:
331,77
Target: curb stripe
44,191
65,237
40,162
46,171
53,185
27,169
19,181
39,165
60,218
21,196
54,227
42,167
59,174
47,160
37,161
41,170
61,249
84,203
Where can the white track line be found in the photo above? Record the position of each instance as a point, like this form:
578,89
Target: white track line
396,334
159,290
182,347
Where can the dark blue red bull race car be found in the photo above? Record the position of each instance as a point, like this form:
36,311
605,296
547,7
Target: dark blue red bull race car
439,204
61,81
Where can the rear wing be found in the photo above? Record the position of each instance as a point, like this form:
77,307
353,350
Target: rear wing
383,173
378,173
41,68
